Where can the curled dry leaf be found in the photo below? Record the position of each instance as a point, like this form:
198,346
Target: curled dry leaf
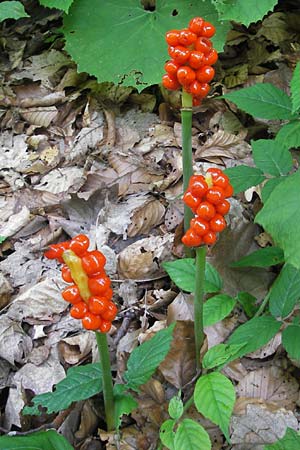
182,308
15,344
88,421
223,144
86,140
145,218
174,214
143,259
75,348
67,179
16,222
40,116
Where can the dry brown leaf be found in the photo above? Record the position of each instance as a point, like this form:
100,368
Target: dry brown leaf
224,144
15,344
219,332
88,421
174,214
73,349
129,438
179,366
66,179
146,217
86,140
182,308
5,291
40,116
143,259
16,222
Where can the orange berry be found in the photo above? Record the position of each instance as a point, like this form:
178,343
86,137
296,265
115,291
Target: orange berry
170,82
208,30
206,211
223,207
203,45
79,310
66,274
97,305
196,25
111,312
228,191
172,37
215,195
105,326
200,226
205,74
179,54
91,321
211,58
209,238
187,37
190,200
71,294
171,67
98,286
185,75
217,223
196,59
191,239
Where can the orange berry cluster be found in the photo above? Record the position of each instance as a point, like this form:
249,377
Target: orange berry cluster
97,311
192,57
206,196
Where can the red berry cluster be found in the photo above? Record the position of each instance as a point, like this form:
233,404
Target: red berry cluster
192,57
98,311
206,196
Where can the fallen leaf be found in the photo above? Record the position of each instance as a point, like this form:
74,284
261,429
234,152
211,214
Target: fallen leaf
16,222
146,217
66,179
15,344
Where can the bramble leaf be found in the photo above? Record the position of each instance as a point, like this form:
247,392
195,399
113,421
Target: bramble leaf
290,441
295,88
239,11
191,435
64,5
41,440
263,257
290,341
289,135
285,291
12,10
217,308
243,177
270,157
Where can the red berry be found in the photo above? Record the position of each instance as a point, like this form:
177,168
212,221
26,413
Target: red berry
203,45
199,89
205,74
187,37
208,30
221,180
93,262
172,37
228,191
190,200
79,244
108,294
198,185
66,274
211,58
79,310
110,313
197,101
191,239
206,211
179,54
204,90
105,326
91,321
196,25
217,223
196,59
209,238
223,207
200,226
98,286
97,305
170,82
71,294
185,75
215,195
56,251
214,171
171,67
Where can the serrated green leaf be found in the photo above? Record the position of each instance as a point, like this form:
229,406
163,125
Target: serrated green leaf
289,135
135,36
243,177
81,382
285,291
295,88
269,187
262,100
183,272
290,341
270,157
166,433
124,404
42,440
12,10
243,12
221,354
263,257
175,408
191,435
217,308
145,359
290,441
248,302
214,397
64,5
255,333
280,217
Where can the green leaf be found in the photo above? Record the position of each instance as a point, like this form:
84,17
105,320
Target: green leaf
221,354
42,440
243,177
2,239
145,359
290,341
269,187
166,433
175,408
81,382
270,157
239,10
214,397
255,333
183,271
124,404
262,100
217,308
295,88
290,441
280,217
248,302
289,135
12,10
64,5
285,291
133,38
264,257
191,435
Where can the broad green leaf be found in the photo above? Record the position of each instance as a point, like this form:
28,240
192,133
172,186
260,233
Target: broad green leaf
12,10
183,271
81,382
217,308
145,359
175,408
64,5
124,43
2,239
285,291
167,434
255,333
264,257
124,404
221,354
42,440
269,187
262,100
243,177
290,441
191,435
290,341
244,12
280,217
214,397
295,88
270,157
289,135
248,302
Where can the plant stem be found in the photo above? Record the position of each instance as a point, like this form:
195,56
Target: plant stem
107,380
198,301
262,305
187,155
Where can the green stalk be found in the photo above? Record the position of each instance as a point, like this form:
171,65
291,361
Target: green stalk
198,301
187,155
106,379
